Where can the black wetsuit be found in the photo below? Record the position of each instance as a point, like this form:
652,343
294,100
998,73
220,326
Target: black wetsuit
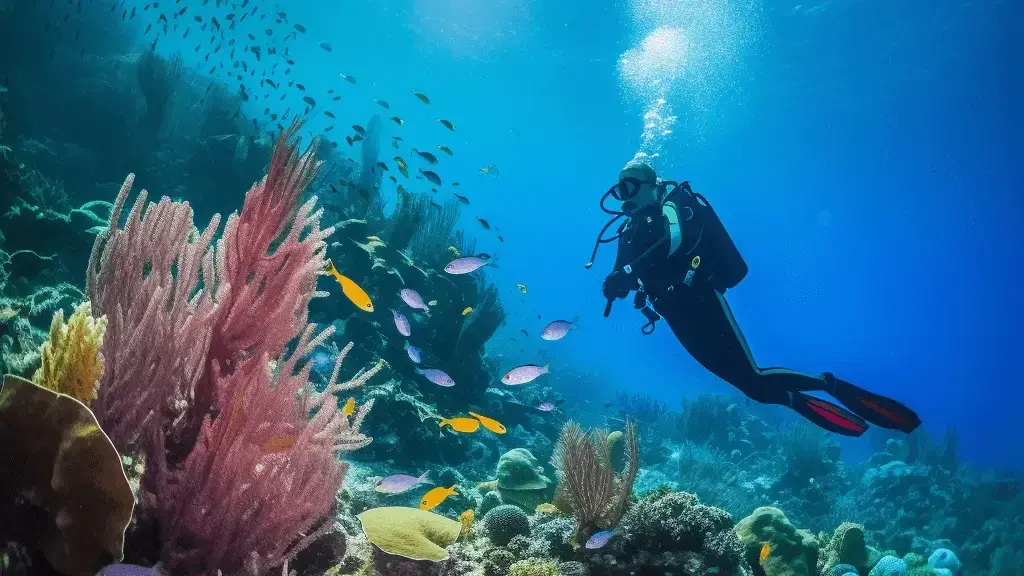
687,289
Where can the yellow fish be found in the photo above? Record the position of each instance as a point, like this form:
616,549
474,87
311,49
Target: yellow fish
467,520
489,423
466,425
350,407
766,549
522,288
467,310
350,289
435,496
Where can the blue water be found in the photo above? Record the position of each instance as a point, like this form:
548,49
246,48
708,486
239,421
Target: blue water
861,153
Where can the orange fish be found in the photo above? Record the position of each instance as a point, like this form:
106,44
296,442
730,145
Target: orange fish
489,423
350,407
435,496
279,444
350,289
465,425
766,549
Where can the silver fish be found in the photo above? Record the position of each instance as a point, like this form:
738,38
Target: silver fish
402,323
414,353
465,265
438,377
399,483
413,299
524,374
559,328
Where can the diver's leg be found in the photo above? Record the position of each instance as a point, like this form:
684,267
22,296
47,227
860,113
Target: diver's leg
707,329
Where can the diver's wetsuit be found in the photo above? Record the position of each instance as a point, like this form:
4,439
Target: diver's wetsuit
685,276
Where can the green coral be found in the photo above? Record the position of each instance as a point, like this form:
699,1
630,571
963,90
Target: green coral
534,567
794,552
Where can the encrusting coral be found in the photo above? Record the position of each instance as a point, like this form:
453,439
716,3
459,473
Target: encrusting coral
410,532
71,362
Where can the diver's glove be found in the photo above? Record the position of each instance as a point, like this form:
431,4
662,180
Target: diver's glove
617,285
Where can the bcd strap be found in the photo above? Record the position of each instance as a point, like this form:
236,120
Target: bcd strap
640,303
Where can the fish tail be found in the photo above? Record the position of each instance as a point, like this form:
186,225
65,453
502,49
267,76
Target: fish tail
575,322
445,422
425,477
452,488
546,368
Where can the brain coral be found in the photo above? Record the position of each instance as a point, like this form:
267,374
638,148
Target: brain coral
506,522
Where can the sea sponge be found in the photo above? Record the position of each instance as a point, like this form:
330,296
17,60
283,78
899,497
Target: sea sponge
840,570
794,551
71,360
534,567
846,547
506,522
62,488
889,566
410,532
944,558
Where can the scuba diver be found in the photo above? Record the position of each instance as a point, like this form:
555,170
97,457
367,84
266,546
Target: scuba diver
676,254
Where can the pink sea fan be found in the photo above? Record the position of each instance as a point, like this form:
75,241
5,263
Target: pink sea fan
262,475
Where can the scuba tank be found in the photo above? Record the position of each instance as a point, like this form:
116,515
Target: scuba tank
712,246
705,242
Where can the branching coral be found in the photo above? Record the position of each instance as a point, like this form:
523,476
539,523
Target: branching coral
71,360
587,484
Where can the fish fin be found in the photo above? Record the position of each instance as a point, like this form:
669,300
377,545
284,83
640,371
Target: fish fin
493,262
452,488
425,477
575,323
445,422
547,367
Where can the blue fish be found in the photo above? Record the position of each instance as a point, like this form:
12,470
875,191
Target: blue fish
599,539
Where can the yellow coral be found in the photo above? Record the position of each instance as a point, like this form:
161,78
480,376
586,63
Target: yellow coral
71,360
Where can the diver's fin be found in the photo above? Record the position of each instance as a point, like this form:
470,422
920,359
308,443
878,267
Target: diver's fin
878,410
827,415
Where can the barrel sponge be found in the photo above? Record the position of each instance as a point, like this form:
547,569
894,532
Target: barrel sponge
506,522
845,547
410,532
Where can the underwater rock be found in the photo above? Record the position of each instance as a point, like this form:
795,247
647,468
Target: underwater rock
794,551
840,570
80,503
506,522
